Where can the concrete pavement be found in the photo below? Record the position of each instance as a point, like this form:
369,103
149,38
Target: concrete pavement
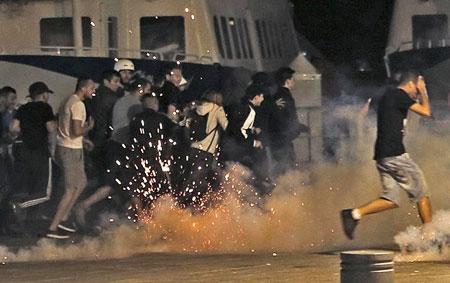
167,267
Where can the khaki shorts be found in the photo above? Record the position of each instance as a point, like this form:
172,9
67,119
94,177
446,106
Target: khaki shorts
71,163
401,173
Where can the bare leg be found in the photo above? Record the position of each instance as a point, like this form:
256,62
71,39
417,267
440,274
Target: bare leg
100,194
350,217
377,205
72,203
424,207
63,208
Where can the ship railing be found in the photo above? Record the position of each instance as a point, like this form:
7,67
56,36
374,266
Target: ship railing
163,56
419,44
55,50
115,53
192,58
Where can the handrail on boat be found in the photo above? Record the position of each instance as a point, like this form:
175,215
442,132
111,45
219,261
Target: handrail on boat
418,44
113,52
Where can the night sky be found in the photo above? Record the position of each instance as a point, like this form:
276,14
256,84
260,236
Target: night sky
346,31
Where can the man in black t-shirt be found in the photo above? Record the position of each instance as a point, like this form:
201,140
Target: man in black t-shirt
34,124
397,170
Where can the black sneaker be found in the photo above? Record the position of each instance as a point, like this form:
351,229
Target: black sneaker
348,223
58,234
67,226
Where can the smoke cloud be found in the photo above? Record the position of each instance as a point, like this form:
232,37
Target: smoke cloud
302,214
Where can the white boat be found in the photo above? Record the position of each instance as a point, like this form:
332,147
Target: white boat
255,34
419,39
216,41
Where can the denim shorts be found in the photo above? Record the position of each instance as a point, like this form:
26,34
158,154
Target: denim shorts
401,173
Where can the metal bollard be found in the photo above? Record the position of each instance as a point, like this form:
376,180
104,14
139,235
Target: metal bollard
368,266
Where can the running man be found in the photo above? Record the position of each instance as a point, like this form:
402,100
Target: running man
397,170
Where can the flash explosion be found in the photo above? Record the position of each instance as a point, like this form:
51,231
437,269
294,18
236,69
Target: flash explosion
301,214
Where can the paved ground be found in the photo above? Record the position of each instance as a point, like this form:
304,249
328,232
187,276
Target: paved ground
162,267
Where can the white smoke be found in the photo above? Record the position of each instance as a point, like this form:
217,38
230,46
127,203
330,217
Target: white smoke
302,214
426,243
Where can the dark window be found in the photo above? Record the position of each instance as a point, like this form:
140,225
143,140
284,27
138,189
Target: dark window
266,40
112,36
86,25
284,39
226,35
218,37
162,36
429,30
279,40
234,34
260,38
249,42
59,32
242,38
270,26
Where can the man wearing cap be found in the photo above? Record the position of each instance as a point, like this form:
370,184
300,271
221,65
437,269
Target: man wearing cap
34,123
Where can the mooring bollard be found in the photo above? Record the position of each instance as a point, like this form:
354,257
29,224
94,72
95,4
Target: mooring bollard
367,266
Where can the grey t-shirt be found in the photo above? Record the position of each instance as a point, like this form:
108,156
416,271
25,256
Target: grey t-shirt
124,110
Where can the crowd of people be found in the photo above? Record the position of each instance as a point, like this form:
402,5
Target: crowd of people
132,140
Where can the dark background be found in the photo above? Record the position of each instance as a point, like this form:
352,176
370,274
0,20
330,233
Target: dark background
347,32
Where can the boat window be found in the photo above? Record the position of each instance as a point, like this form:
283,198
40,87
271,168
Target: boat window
86,31
249,42
234,34
260,38
112,36
162,37
242,38
218,37
430,31
226,35
284,39
266,39
279,39
271,28
58,32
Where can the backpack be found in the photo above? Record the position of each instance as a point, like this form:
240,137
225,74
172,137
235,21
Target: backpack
197,126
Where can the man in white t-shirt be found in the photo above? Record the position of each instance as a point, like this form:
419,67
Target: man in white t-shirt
72,126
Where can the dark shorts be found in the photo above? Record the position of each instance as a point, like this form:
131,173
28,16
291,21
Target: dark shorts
33,175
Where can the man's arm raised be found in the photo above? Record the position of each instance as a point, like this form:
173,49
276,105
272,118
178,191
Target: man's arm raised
422,107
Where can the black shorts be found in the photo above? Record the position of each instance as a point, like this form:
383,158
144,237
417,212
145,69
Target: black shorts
32,173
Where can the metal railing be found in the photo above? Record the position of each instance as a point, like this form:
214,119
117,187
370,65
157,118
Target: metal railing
114,53
419,44
54,50
175,56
